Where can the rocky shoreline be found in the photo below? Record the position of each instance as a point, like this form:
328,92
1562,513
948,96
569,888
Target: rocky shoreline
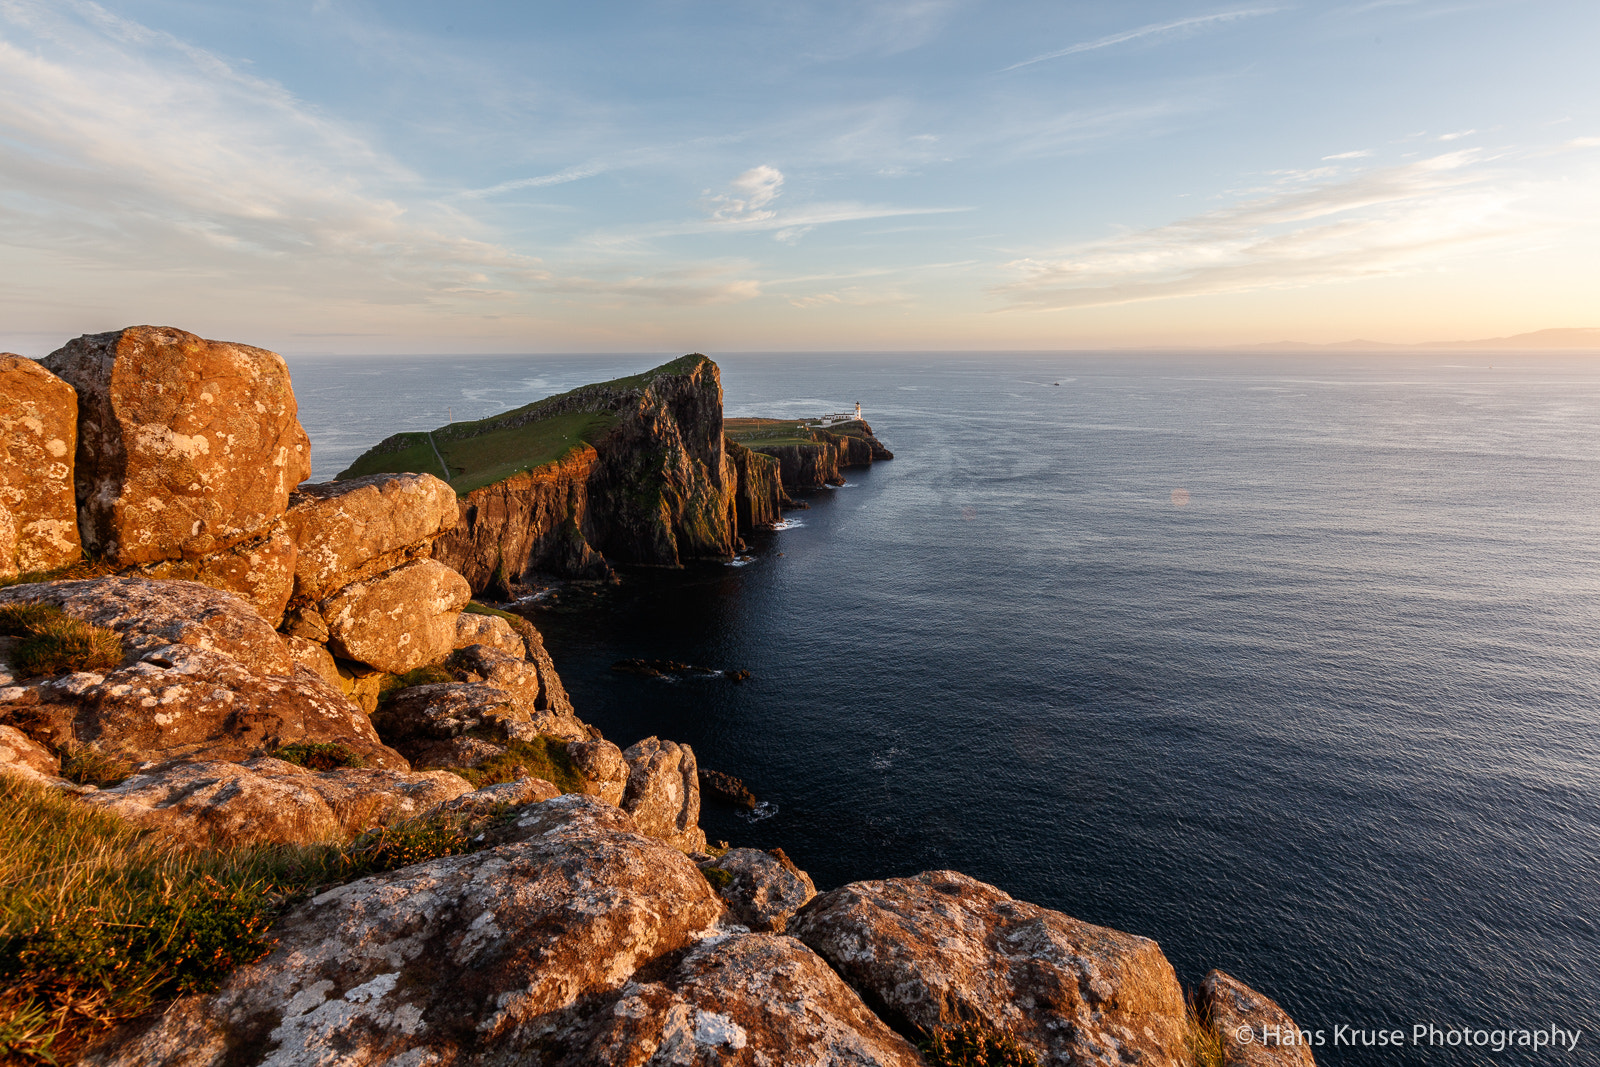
282,664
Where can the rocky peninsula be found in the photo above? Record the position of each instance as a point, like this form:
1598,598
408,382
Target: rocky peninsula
317,805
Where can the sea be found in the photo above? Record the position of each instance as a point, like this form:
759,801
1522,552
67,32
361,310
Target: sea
1289,662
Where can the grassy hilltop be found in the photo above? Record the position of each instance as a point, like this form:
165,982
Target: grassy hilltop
470,455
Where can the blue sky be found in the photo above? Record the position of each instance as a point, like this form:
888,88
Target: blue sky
335,176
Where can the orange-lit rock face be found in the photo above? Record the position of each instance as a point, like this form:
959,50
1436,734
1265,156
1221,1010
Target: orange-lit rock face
38,435
185,446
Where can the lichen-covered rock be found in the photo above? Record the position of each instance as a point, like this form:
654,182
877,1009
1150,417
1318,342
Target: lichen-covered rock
148,614
8,544
443,710
530,689
467,960
502,795
216,804
756,1000
349,531
399,620
185,446
203,676
492,631
602,765
20,754
268,801
38,438
939,947
1233,1008
761,889
259,571
179,701
315,657
663,793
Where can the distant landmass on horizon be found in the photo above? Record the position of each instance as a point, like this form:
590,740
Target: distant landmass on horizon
1564,338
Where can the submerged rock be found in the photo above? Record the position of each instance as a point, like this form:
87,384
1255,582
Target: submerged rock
185,446
726,788
940,948
38,440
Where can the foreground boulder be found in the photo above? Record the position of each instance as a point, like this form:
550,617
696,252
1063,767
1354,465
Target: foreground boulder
1232,1008
268,801
399,620
349,531
185,446
38,437
260,571
663,793
603,767
940,948
478,959
203,676
752,999
762,889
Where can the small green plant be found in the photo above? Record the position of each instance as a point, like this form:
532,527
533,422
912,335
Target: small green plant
90,766
719,878
543,757
52,642
974,1045
475,608
393,683
320,755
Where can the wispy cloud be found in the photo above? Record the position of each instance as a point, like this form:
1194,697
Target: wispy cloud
1154,29
1376,223
1358,154
163,166
752,192
560,177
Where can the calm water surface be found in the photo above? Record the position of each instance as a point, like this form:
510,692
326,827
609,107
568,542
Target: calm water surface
1291,664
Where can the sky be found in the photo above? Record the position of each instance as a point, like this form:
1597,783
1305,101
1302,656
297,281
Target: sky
346,176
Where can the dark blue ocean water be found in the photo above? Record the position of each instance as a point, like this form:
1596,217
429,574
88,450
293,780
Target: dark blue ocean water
1292,664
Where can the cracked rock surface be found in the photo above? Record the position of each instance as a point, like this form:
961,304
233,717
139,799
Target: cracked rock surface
940,947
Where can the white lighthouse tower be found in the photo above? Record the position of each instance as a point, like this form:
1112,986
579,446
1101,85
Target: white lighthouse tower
858,409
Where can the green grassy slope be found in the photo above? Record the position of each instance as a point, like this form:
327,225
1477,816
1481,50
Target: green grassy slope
490,450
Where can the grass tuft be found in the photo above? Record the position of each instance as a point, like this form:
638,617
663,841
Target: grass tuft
53,642
475,608
1205,1044
393,683
100,922
90,766
83,568
974,1045
543,757
719,878
320,755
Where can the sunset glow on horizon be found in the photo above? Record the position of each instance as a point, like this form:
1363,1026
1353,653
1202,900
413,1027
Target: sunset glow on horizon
332,176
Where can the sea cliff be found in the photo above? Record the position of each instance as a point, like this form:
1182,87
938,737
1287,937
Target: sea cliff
642,474
311,804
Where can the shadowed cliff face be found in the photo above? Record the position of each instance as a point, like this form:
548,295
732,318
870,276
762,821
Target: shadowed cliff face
817,462
661,487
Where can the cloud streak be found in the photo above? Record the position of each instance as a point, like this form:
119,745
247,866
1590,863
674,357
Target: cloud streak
1381,222
1152,30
